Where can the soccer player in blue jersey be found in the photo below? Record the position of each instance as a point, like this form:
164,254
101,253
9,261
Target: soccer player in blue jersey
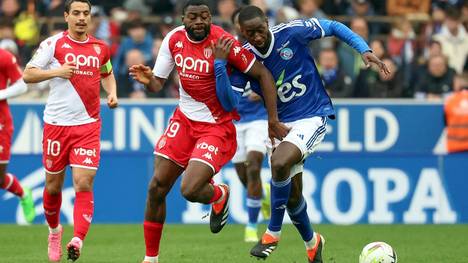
252,135
303,105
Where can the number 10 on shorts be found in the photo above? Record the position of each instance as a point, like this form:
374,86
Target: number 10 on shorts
53,147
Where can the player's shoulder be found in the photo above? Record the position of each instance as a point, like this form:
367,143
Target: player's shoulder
94,40
52,40
217,32
4,53
176,33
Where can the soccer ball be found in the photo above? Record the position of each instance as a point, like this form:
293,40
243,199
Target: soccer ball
378,252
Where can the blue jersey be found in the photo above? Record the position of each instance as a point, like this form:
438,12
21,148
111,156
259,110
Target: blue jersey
300,91
250,110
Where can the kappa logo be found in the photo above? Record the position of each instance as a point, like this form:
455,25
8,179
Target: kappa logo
66,45
208,156
179,44
88,161
236,50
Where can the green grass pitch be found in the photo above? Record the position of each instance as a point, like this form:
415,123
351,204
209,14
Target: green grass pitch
195,243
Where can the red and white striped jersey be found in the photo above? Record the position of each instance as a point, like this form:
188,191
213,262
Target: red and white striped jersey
73,101
9,74
194,62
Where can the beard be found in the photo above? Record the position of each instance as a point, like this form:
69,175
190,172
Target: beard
198,36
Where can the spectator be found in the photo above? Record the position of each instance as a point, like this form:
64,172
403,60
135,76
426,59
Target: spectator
437,81
337,84
225,9
408,7
155,49
286,14
105,29
9,9
456,116
335,7
128,86
7,37
372,83
419,67
351,61
360,8
138,38
55,8
454,40
379,49
308,9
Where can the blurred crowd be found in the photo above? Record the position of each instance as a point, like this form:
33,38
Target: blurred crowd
423,42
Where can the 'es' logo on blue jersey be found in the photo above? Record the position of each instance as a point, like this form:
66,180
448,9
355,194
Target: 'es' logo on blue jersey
286,53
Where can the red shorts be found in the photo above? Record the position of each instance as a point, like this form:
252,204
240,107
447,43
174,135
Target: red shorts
185,140
6,135
77,146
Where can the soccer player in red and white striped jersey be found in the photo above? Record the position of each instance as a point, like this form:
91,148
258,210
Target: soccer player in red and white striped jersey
76,64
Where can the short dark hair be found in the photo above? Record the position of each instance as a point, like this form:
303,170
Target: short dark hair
194,3
250,12
453,13
69,2
136,23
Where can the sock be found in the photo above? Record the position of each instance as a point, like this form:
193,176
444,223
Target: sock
279,199
52,205
83,213
152,232
217,194
301,221
151,259
253,209
311,243
12,185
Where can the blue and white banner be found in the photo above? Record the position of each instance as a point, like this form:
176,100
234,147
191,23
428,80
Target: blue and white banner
381,162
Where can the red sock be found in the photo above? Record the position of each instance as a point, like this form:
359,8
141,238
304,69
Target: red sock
216,194
83,213
12,185
153,232
52,205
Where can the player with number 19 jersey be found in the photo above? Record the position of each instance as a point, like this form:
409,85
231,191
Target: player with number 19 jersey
200,128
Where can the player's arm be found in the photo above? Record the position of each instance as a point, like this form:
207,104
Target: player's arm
37,68
110,86
144,75
227,94
259,72
342,32
13,72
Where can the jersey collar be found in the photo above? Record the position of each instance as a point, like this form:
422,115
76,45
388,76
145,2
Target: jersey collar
272,44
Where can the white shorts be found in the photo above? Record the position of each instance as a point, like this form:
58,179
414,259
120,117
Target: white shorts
251,136
305,134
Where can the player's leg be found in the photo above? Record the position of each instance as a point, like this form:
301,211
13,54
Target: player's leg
55,149
282,160
10,182
165,175
240,156
297,211
254,193
52,201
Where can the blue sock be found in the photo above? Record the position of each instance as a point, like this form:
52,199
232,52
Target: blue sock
253,209
279,199
301,221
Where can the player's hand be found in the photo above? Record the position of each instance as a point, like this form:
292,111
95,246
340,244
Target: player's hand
66,70
369,58
112,101
278,130
222,47
141,73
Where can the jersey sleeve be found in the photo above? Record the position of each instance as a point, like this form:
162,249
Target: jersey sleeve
10,67
106,67
164,62
307,29
240,57
43,56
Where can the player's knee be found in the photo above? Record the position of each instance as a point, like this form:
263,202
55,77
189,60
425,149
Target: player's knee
280,168
156,189
53,189
189,193
253,171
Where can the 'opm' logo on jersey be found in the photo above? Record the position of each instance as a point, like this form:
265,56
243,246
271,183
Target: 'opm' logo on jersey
189,63
82,60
